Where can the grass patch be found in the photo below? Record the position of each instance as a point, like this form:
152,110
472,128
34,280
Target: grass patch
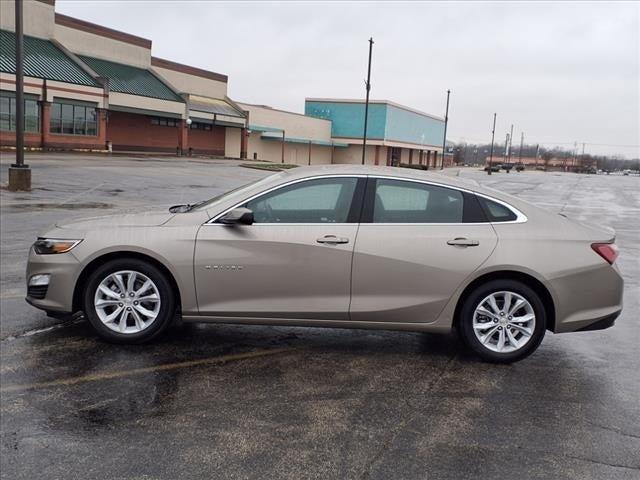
271,167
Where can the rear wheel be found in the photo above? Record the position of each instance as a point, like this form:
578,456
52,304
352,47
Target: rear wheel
503,321
129,301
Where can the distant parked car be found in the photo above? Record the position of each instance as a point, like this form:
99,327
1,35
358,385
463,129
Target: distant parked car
507,167
519,167
494,168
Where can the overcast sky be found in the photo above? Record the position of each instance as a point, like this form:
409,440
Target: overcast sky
560,72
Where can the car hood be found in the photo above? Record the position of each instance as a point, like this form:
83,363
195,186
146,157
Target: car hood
143,219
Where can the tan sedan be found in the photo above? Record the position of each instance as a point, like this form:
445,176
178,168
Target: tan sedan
338,246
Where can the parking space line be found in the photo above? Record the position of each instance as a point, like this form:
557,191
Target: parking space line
95,377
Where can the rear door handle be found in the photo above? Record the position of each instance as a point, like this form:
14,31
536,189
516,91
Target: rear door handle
463,242
332,240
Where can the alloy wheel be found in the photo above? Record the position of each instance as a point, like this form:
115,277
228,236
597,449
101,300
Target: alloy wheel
127,301
504,322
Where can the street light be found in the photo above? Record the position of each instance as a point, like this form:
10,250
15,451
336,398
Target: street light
444,139
366,105
493,132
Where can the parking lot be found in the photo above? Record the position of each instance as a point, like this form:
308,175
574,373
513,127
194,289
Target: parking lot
245,402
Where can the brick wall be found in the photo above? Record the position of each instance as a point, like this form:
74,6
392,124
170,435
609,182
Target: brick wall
208,141
8,139
128,131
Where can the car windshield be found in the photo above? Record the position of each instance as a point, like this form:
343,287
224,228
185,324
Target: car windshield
206,204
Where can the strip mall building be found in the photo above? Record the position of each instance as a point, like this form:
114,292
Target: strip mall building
91,87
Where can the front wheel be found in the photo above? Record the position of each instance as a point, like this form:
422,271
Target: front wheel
128,301
503,321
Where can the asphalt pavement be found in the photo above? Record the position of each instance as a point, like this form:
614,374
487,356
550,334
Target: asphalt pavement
253,402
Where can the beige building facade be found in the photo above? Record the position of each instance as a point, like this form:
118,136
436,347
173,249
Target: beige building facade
92,87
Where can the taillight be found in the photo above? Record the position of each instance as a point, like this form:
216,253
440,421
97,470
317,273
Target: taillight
608,251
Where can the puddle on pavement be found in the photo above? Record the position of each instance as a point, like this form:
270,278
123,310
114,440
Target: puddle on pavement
21,207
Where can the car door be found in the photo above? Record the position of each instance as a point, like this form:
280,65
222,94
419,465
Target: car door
414,249
294,261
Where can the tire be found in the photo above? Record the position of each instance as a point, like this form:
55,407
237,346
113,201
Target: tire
138,314
520,337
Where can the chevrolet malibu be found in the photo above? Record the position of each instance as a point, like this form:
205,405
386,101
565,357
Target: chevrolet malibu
337,246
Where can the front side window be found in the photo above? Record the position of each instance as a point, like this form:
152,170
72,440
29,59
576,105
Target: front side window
398,201
69,119
324,200
8,114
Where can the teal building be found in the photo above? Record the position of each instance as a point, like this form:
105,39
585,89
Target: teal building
395,133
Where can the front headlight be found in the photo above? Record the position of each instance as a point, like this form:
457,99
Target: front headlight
48,246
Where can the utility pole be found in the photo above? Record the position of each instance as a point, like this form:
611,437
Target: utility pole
510,144
444,140
537,153
19,173
507,153
493,132
366,104
521,145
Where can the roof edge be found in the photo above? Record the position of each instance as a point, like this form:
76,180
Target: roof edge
189,70
89,27
267,107
379,102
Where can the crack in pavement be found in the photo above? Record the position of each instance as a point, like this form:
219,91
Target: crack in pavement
598,462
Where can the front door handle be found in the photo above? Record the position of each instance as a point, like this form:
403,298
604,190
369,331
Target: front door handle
463,242
332,240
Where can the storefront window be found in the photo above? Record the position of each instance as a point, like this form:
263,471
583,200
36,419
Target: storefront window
164,122
200,126
73,119
8,114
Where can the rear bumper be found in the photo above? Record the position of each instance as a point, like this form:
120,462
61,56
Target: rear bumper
588,300
603,323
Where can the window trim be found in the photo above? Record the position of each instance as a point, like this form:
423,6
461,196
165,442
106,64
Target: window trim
356,203
363,196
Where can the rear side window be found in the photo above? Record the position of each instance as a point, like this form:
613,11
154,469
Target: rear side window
496,212
397,201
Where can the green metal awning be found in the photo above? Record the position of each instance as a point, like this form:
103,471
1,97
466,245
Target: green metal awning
216,106
42,59
260,128
131,80
323,143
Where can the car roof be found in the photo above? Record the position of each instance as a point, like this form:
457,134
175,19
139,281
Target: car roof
409,173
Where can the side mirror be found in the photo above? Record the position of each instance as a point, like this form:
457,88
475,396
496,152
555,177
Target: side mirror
237,216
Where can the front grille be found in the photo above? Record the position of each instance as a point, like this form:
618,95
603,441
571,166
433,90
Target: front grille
37,291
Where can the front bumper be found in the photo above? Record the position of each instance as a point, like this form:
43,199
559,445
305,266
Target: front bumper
63,269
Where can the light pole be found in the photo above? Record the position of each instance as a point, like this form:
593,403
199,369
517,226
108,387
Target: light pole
366,103
446,122
493,133
19,173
